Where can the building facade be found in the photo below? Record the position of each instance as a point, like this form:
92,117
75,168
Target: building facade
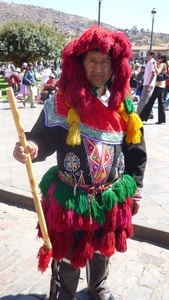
139,53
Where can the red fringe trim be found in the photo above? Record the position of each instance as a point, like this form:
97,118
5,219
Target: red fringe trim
129,231
106,243
60,219
83,223
124,215
44,256
121,244
111,219
61,244
83,251
61,224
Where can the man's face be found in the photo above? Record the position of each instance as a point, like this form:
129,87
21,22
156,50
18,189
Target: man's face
149,56
97,68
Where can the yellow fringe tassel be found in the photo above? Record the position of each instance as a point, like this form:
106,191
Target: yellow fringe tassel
132,120
74,136
134,123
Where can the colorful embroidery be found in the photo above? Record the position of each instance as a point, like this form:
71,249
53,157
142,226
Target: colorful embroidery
100,158
72,166
71,162
51,120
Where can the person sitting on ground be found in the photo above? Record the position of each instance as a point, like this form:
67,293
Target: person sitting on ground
15,80
49,87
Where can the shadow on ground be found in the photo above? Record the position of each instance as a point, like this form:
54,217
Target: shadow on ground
24,297
81,295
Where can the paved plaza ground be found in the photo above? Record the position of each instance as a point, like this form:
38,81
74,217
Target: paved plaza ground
142,273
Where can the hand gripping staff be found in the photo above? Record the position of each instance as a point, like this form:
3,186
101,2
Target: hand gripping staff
45,252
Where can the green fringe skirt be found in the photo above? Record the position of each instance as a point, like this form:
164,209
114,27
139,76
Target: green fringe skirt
80,224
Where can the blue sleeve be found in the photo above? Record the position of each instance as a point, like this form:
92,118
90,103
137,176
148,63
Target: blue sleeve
26,78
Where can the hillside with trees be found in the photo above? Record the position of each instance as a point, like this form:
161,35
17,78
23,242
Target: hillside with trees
71,25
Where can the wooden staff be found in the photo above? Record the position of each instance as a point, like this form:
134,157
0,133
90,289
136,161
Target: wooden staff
45,251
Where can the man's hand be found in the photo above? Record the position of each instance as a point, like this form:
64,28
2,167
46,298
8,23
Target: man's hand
20,155
135,207
148,87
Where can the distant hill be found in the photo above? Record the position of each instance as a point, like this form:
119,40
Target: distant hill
71,25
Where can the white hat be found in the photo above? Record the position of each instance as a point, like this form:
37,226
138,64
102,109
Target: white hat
137,65
51,75
18,70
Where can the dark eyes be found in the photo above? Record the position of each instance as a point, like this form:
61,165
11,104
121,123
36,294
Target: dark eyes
103,62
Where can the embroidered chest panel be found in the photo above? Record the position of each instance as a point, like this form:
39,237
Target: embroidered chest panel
99,158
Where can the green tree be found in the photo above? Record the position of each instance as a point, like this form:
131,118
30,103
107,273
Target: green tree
27,41
134,30
142,30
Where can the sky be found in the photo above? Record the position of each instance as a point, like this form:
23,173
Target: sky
120,13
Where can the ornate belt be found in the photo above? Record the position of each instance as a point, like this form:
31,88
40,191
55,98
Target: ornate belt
90,189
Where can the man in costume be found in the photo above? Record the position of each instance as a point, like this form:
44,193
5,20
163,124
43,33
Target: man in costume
89,198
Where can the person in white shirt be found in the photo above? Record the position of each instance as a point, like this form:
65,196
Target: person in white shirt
148,83
158,92
45,75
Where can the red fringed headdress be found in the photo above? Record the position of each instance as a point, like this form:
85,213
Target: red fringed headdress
73,82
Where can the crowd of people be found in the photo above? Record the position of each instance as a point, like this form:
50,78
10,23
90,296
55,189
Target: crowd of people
145,87
148,83
24,82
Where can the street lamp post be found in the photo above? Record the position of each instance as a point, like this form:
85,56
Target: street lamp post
153,13
99,11
56,24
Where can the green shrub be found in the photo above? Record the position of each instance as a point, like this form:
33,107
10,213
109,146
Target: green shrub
3,86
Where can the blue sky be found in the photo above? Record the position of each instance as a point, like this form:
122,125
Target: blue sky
119,13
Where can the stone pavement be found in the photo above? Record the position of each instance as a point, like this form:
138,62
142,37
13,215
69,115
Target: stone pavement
140,273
